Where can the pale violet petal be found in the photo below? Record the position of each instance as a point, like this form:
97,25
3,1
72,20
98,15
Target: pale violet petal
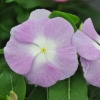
90,31
28,31
20,56
85,46
43,73
39,14
65,59
60,31
91,69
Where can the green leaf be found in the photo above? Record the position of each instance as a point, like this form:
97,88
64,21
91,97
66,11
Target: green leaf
74,88
23,15
2,98
39,93
28,4
94,93
10,81
9,1
65,16
1,51
74,18
29,89
3,67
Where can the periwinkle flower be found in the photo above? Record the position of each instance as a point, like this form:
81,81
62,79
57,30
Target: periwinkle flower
87,43
41,49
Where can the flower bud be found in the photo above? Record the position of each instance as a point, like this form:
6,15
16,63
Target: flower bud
81,26
12,96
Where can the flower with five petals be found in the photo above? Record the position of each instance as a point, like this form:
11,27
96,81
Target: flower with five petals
41,49
87,44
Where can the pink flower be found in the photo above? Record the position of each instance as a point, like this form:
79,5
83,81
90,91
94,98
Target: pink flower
41,49
61,0
87,44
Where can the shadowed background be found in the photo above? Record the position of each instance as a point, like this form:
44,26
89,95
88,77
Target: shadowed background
14,12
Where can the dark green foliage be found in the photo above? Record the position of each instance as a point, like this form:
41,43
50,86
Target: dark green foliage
74,88
38,93
14,12
10,81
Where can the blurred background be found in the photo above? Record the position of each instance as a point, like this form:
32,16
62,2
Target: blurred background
14,12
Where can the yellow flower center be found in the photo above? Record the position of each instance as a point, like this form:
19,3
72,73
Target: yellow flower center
43,50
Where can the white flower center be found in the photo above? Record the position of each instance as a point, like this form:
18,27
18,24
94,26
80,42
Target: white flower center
43,49
46,47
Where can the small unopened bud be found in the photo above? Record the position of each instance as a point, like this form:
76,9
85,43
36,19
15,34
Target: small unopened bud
8,98
81,26
12,96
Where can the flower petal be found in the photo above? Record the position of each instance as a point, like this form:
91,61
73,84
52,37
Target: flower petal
43,73
90,31
28,31
40,14
91,71
60,31
19,56
85,46
65,59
